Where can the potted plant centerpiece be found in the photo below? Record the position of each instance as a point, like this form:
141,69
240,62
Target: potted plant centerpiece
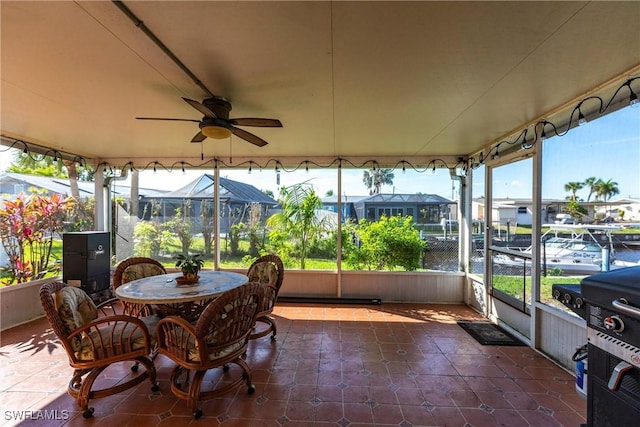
190,266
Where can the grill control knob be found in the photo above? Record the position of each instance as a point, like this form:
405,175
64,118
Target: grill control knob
613,323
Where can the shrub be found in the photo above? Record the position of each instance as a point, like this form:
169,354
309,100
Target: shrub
386,244
146,240
28,226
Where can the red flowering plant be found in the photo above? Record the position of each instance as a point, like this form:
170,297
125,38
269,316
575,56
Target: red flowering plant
28,226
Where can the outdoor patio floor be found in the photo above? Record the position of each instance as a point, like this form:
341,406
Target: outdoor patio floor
331,365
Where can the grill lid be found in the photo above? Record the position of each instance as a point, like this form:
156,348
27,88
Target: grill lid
602,288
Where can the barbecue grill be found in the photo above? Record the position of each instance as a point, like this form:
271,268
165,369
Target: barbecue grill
610,304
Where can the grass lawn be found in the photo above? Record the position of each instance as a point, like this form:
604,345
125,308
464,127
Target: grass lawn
514,286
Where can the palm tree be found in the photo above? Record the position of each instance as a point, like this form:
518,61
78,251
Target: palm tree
573,187
590,183
376,178
73,179
606,189
298,219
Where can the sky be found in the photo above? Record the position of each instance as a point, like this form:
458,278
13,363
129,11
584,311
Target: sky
323,180
607,148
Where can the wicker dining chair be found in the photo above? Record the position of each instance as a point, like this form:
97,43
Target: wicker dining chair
136,268
219,339
95,338
269,271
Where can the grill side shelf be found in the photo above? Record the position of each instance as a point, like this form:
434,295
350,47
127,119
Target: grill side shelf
570,296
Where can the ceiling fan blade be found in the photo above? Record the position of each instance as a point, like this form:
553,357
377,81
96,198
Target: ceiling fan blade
199,137
250,121
162,118
248,137
200,107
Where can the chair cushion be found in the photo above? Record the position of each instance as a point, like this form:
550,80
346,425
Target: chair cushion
264,272
194,353
75,309
102,339
139,271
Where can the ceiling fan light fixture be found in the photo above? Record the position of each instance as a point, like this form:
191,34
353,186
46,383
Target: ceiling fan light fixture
216,132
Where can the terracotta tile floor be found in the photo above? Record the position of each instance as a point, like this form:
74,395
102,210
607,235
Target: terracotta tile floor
332,365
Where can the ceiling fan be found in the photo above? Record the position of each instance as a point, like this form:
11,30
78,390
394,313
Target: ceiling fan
216,123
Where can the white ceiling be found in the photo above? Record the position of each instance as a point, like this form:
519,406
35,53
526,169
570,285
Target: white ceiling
383,80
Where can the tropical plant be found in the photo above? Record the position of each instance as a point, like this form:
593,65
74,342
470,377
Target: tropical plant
234,220
28,226
44,166
206,215
298,224
574,209
190,265
606,189
255,214
376,178
80,216
180,226
590,183
235,232
573,188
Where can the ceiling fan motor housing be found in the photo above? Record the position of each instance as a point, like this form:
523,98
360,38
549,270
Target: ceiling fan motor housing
219,106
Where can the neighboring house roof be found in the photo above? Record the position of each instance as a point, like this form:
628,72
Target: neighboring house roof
50,184
235,191
330,218
621,200
406,198
62,186
345,199
509,201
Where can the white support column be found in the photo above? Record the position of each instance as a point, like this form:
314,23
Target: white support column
488,236
339,249
99,213
536,232
466,199
216,215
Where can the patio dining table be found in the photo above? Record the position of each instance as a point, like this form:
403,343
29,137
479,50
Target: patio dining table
184,300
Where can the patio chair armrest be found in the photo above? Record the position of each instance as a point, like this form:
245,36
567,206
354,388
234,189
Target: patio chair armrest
112,337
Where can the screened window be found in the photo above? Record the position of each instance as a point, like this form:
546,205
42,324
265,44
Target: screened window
591,174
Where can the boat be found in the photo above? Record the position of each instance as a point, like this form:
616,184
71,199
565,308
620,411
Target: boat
581,253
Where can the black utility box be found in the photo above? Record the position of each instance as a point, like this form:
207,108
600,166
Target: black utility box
86,260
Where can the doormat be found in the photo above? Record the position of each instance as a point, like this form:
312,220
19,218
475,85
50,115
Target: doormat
487,333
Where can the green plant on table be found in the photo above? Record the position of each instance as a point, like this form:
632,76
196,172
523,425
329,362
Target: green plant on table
189,264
